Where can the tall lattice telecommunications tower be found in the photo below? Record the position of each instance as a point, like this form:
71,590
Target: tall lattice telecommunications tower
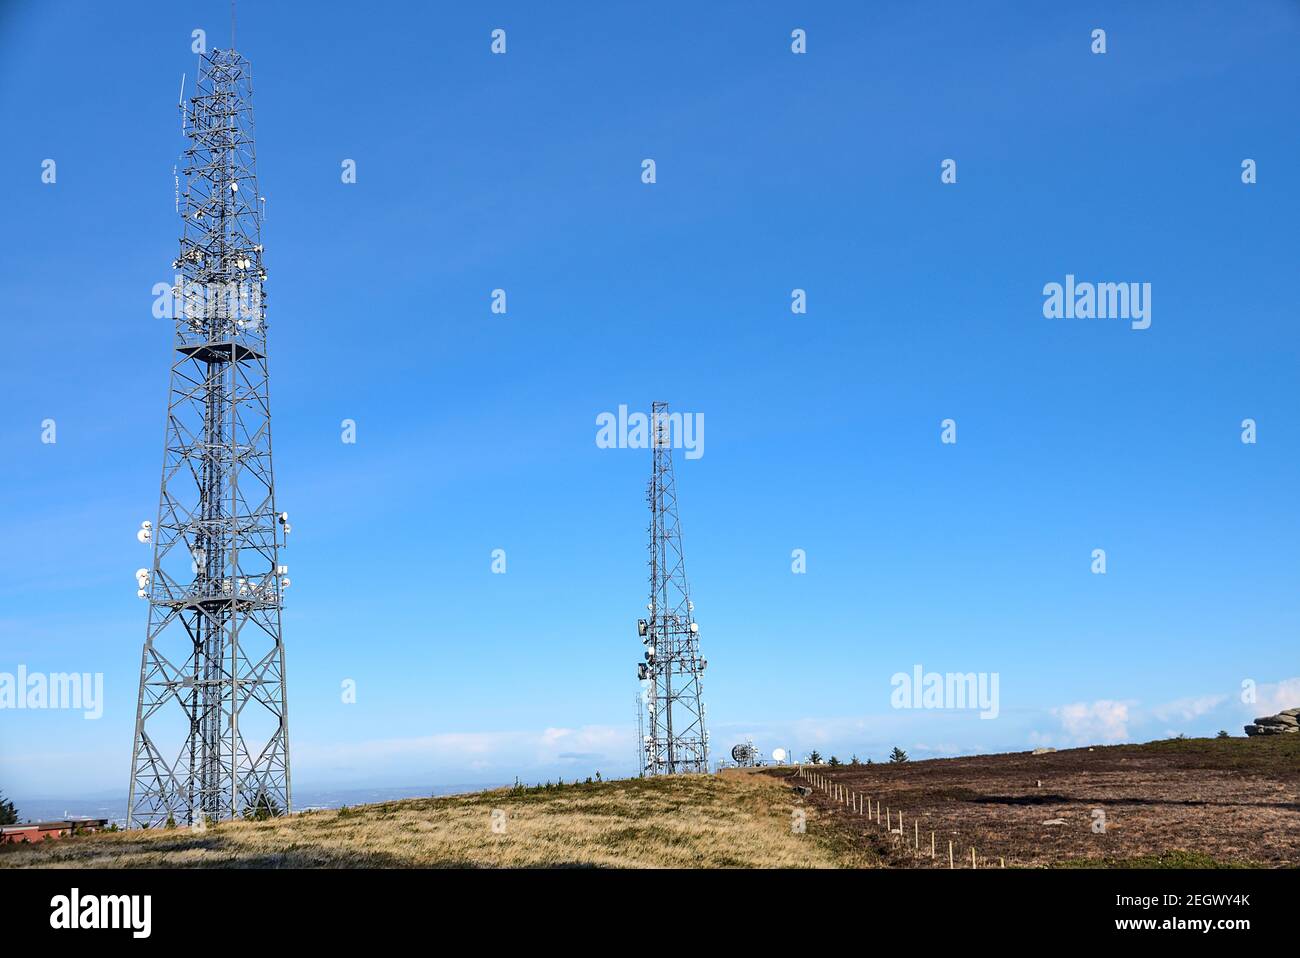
676,740
211,731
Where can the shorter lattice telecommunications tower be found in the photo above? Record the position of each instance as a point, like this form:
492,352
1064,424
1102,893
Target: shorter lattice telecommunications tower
211,729
676,740
640,733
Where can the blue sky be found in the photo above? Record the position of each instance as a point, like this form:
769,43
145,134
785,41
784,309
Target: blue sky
476,431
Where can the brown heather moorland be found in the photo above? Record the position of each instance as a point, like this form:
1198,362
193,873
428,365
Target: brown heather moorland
1171,803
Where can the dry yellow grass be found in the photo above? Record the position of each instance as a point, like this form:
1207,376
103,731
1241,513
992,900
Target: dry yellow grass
695,821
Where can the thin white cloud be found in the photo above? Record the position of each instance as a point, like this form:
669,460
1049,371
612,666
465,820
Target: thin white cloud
1104,720
1189,708
505,752
1274,697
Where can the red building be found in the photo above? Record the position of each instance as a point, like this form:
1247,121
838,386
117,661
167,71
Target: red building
39,831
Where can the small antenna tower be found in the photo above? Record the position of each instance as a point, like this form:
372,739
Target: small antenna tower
672,671
640,733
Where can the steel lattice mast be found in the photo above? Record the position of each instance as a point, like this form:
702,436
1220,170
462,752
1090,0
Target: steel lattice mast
211,734
673,669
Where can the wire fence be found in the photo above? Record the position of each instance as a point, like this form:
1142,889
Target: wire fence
906,834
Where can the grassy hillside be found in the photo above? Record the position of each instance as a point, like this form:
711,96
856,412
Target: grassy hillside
731,820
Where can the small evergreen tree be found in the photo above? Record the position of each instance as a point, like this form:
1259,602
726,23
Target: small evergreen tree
834,762
8,813
1223,733
263,807
854,760
897,756
815,758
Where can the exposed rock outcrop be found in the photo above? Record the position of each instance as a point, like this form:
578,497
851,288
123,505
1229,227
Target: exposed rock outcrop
1288,720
